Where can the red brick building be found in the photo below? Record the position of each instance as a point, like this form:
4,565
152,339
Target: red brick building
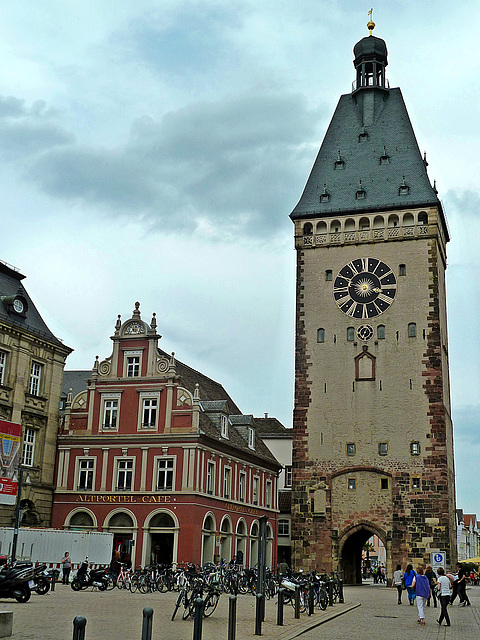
161,456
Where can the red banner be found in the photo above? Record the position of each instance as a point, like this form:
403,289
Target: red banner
10,446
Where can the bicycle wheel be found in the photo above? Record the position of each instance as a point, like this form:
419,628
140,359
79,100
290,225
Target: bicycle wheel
211,604
323,599
178,602
121,584
133,583
111,580
142,584
189,609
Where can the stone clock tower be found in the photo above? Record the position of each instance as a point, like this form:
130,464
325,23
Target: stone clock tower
373,443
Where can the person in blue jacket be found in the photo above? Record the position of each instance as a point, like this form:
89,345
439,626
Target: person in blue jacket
408,577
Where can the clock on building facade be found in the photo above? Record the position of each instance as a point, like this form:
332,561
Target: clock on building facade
373,437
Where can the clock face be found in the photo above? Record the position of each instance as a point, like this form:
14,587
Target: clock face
18,305
364,288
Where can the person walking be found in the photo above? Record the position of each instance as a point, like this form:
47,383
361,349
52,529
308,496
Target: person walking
66,568
408,577
432,578
397,582
422,592
443,589
462,586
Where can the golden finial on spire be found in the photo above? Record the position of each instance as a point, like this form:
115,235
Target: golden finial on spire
370,23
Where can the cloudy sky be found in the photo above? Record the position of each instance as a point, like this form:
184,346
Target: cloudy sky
152,151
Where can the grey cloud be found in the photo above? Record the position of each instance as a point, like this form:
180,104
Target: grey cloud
26,132
232,163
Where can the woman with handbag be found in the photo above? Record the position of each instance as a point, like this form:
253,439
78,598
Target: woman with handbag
432,578
408,578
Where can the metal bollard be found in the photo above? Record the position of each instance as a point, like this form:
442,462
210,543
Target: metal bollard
258,614
198,619
232,617
340,592
147,623
280,608
330,593
79,623
311,599
297,601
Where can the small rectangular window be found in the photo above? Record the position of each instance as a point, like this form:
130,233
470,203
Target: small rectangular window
124,474
165,474
86,468
28,447
402,270
415,483
224,426
288,475
351,484
110,413
251,438
210,477
350,334
320,335
255,491
415,448
3,366
351,449
149,413
227,482
268,494
283,528
328,275
133,366
35,379
381,332
383,483
383,448
412,330
242,483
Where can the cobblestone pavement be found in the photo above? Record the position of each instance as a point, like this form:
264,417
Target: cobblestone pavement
380,617
370,611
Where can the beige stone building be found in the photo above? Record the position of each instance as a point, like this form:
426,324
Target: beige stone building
373,442
31,371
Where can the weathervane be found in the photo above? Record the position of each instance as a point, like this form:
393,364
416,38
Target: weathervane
370,23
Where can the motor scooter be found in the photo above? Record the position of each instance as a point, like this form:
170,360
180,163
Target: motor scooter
86,577
14,582
39,581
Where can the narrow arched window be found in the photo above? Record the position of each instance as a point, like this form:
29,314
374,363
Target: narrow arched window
320,335
328,275
350,334
381,332
412,330
307,229
402,270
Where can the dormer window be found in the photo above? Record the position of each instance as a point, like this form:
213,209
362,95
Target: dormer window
360,194
251,438
132,364
324,196
363,137
339,162
385,158
403,189
224,426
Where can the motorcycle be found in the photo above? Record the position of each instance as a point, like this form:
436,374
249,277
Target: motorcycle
14,582
86,577
39,581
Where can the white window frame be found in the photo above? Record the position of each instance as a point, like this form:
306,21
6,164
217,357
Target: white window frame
132,369
168,462
28,451
86,465
255,490
125,473
148,397
415,448
283,527
224,426
251,437
107,409
3,366
268,494
288,475
35,379
210,478
242,486
227,483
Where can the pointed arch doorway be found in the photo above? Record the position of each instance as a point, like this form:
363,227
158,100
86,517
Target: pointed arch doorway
351,548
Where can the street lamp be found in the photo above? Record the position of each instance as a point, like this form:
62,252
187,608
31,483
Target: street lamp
16,518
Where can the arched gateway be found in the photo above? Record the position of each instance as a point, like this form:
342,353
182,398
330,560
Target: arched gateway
350,547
